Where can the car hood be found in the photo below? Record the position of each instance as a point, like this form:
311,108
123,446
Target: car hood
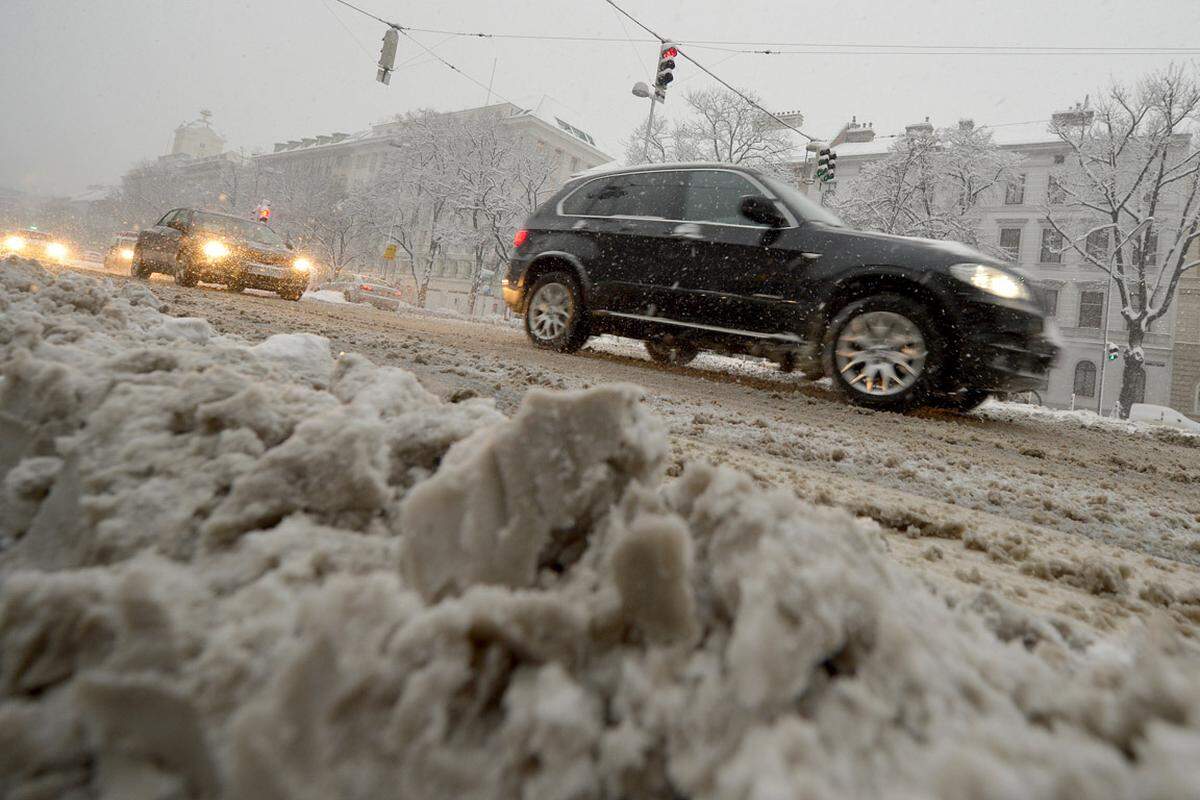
909,251
265,254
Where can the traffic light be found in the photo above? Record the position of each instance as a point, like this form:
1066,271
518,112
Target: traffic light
1112,351
263,212
666,69
387,56
826,164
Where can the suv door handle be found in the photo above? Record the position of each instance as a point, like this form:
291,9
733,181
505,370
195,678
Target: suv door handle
687,230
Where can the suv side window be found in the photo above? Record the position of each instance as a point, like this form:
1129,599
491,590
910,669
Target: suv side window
716,196
656,195
168,218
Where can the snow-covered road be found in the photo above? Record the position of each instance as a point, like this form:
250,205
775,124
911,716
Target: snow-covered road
1053,508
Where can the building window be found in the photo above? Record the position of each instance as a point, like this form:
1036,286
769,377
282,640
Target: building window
1091,309
1052,245
1085,379
1060,159
1014,193
1010,242
1196,405
1050,301
1097,245
1055,194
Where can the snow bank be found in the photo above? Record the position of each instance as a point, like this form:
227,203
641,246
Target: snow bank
325,296
1082,418
222,577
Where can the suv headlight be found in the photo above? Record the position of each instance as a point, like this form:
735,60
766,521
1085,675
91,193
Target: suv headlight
992,280
302,264
214,248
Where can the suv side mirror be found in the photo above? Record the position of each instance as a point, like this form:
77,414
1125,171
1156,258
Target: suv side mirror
762,211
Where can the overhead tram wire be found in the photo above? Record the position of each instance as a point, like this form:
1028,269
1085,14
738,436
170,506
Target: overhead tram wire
713,75
750,47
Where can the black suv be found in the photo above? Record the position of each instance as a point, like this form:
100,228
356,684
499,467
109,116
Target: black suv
196,246
692,257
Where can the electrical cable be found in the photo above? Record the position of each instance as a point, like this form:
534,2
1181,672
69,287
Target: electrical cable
821,48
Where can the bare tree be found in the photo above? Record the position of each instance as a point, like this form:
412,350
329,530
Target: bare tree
321,216
724,127
930,184
457,186
658,149
1132,184
718,126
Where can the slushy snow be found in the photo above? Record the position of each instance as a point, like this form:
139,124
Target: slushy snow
266,572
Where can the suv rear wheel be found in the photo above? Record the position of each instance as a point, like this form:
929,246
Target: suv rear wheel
884,352
554,317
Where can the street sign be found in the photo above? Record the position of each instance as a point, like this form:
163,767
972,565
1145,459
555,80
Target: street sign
389,253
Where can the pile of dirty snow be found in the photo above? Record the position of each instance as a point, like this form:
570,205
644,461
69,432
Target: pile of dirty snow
325,296
263,572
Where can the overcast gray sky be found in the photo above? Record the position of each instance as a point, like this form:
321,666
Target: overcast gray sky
90,86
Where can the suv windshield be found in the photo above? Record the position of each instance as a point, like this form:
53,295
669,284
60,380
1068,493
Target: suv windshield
237,228
801,204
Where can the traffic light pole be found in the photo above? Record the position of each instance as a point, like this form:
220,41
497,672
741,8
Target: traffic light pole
649,130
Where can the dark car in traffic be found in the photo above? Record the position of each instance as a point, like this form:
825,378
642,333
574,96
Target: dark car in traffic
691,257
120,251
195,245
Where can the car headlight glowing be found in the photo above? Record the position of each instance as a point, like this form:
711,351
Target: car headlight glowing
127,253
991,280
215,249
302,264
14,243
56,250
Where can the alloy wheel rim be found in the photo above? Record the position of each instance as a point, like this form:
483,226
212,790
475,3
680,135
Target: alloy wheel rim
880,353
550,311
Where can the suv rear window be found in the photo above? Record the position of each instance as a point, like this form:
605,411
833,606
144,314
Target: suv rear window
639,194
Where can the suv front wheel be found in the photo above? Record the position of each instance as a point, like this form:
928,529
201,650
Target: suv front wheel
554,317
884,352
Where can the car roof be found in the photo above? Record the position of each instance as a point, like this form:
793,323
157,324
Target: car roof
670,165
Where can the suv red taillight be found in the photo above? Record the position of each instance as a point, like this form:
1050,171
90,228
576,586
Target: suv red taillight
519,237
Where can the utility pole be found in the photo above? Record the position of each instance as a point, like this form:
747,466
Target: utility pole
1104,348
488,102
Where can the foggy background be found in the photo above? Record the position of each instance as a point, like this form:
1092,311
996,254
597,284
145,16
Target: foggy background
89,88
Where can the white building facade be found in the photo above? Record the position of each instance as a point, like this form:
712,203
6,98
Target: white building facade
1078,294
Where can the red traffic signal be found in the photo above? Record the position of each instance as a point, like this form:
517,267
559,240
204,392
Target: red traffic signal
666,69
